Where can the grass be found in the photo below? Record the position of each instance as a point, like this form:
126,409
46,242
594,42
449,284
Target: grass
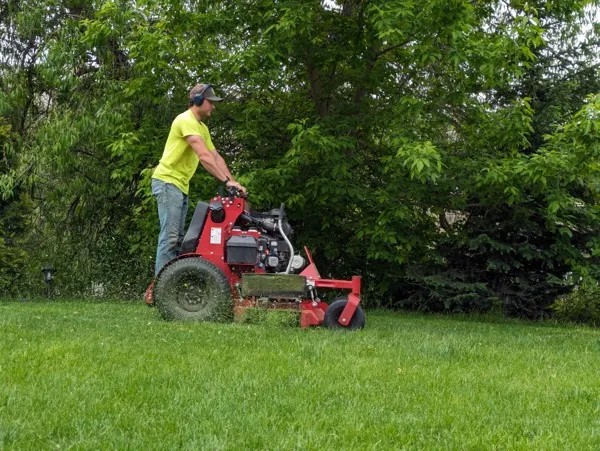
86,375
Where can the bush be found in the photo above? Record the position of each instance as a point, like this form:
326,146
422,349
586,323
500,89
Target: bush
14,258
581,306
12,267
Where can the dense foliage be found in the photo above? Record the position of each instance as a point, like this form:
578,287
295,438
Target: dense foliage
448,151
580,306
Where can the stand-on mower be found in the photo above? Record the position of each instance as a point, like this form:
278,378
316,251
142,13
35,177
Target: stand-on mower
233,258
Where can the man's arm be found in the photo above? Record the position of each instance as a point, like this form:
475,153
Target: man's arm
222,165
212,161
207,158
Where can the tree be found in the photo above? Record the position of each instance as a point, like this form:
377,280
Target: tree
416,143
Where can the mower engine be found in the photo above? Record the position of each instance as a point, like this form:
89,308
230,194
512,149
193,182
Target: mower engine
259,240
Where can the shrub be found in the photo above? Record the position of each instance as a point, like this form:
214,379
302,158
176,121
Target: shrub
581,306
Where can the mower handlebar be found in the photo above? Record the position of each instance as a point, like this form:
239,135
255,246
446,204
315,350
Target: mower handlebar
232,191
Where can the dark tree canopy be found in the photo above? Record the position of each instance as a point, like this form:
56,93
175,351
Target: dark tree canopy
448,151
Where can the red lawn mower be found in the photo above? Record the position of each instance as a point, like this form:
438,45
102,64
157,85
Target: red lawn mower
233,258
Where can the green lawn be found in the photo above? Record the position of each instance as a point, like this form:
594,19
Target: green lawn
88,375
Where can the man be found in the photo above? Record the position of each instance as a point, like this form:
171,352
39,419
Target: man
188,143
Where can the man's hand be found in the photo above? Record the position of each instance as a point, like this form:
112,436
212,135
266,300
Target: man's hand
237,186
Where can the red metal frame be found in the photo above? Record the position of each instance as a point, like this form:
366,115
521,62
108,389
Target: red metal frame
211,247
312,273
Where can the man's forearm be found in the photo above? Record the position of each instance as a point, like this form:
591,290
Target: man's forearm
207,158
222,165
211,164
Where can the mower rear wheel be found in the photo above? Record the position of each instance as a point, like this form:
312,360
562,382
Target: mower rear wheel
334,311
193,289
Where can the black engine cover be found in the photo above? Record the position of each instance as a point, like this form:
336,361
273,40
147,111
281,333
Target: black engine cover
242,250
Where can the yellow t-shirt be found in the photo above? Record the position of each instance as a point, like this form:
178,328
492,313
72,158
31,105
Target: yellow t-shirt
179,161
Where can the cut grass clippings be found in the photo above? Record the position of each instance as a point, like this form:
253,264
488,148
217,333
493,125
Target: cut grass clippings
88,375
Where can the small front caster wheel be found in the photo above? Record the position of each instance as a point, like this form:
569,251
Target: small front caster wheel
333,313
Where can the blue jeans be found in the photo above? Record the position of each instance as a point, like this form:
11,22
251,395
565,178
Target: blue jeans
172,209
